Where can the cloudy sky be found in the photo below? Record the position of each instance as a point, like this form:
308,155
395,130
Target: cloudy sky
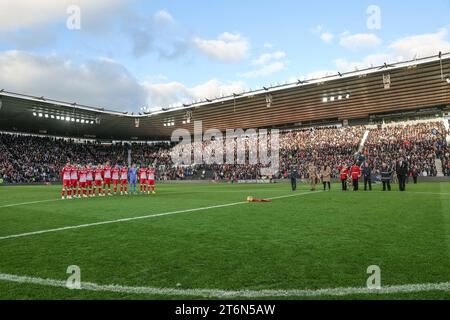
127,54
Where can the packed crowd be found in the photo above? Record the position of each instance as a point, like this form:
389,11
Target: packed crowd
419,143
28,159
322,146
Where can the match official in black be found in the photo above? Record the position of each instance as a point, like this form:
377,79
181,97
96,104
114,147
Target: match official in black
401,168
294,176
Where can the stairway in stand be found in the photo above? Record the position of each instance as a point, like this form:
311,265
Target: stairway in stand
438,164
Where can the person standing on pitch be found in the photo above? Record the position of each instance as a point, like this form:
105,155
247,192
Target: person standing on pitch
386,175
133,173
294,175
401,167
367,174
415,174
343,173
355,172
312,171
326,177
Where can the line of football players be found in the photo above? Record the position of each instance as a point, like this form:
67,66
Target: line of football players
89,181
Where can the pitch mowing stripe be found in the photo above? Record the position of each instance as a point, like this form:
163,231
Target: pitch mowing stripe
166,193
87,225
209,191
217,293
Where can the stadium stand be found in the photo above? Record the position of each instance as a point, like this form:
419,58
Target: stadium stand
420,142
28,159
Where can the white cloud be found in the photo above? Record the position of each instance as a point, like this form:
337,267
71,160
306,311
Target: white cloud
164,17
317,29
327,36
227,47
165,94
266,57
359,41
422,45
268,45
268,63
344,65
265,70
19,14
102,82
407,48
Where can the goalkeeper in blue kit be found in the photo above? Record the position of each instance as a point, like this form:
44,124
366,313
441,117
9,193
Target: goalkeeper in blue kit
132,173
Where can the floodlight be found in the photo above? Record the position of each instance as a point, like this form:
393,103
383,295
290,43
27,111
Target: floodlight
34,114
325,99
40,115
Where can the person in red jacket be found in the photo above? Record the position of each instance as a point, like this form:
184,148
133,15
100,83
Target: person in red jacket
343,173
355,172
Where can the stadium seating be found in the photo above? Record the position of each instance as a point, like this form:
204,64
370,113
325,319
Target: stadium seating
419,142
27,159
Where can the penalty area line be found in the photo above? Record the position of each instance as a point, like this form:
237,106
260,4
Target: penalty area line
87,225
217,293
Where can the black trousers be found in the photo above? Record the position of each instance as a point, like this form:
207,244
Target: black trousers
294,184
402,182
415,179
325,185
386,184
344,185
355,184
367,180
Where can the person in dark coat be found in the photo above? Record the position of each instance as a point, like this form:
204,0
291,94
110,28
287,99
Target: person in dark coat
367,174
415,174
386,176
294,176
401,167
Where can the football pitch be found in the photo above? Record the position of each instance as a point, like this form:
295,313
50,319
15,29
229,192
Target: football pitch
204,241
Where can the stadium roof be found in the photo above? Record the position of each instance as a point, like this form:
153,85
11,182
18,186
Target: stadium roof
421,83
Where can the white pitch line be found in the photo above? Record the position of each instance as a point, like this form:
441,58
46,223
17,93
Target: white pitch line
217,293
87,225
27,203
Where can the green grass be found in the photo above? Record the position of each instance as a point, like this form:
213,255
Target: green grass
321,240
